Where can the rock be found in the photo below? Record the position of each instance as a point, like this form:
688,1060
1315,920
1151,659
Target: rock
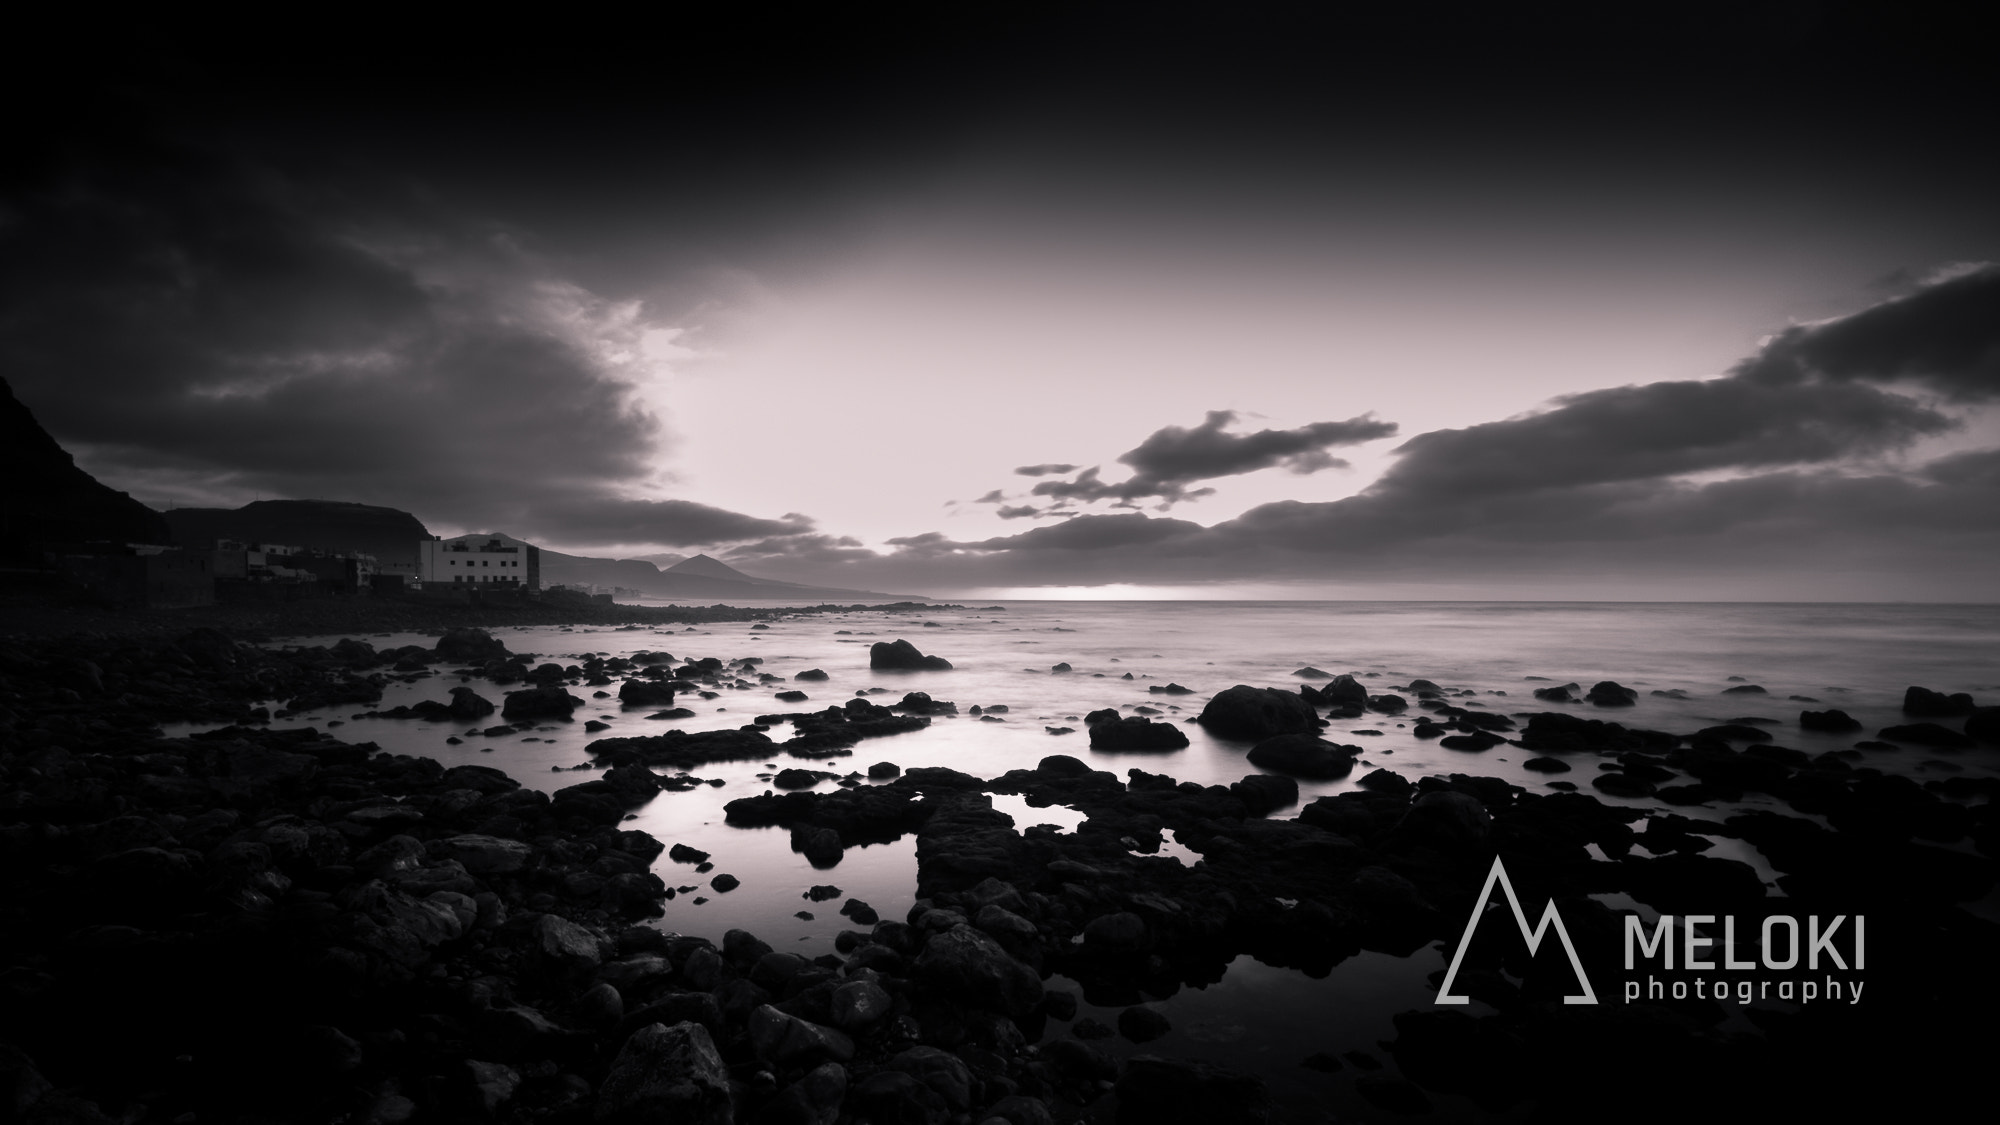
681,853
1141,1024
1261,793
1927,734
859,1005
1552,695
725,882
1984,725
666,1074
788,1040
1345,691
1546,765
563,947
1397,1095
881,770
945,1074
813,1100
891,1097
1838,722
1137,733
1924,703
467,705
1446,818
820,846
471,646
792,697
1246,712
1610,693
795,779
811,674
1311,673
492,1084
1115,934
973,968
1745,689
902,656
646,693
600,1006
1304,755
1158,1091
546,702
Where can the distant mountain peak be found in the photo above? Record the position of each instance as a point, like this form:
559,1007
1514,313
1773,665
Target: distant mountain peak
705,567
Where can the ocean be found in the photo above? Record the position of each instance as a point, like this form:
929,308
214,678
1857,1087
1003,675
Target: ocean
1857,658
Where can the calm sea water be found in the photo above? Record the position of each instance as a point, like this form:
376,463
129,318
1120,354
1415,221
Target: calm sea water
1858,658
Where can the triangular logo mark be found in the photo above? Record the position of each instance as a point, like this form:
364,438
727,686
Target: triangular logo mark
1532,937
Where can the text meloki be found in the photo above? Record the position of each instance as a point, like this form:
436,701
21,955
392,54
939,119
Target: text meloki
1781,944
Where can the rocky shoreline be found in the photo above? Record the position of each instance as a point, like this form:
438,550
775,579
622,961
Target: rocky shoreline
268,924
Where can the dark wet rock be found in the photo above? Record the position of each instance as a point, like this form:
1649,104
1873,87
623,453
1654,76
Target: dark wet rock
902,656
1245,712
788,1040
1161,1091
796,779
1137,734
1445,819
820,846
467,705
943,1073
1838,722
1559,694
646,693
1102,715
792,697
881,770
725,882
1557,732
895,1098
666,1074
973,968
1474,742
1169,689
1344,691
1610,693
681,853
1141,1024
860,912
814,1099
1745,689
1984,725
1312,673
1924,703
1927,734
921,703
1546,765
1262,793
547,702
1622,785
812,674
471,646
1388,704
1116,934
859,1005
1304,755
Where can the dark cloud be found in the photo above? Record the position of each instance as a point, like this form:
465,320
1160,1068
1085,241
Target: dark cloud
1044,470
1945,338
808,550
1786,463
1657,430
204,330
672,523
1173,457
1020,511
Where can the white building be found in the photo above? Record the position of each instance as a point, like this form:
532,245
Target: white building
485,560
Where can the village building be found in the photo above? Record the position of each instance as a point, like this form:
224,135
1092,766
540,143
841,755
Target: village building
488,562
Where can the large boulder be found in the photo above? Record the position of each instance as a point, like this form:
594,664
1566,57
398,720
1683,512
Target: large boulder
1137,733
646,693
471,646
902,656
1984,725
1924,703
972,968
547,702
666,1074
788,1040
1345,690
1247,712
467,705
1302,755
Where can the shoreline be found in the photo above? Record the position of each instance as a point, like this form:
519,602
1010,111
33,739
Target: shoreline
447,944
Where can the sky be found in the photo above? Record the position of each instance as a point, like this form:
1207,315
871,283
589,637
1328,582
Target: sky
1659,303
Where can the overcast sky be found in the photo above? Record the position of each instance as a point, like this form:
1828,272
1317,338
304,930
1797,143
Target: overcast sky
1680,302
